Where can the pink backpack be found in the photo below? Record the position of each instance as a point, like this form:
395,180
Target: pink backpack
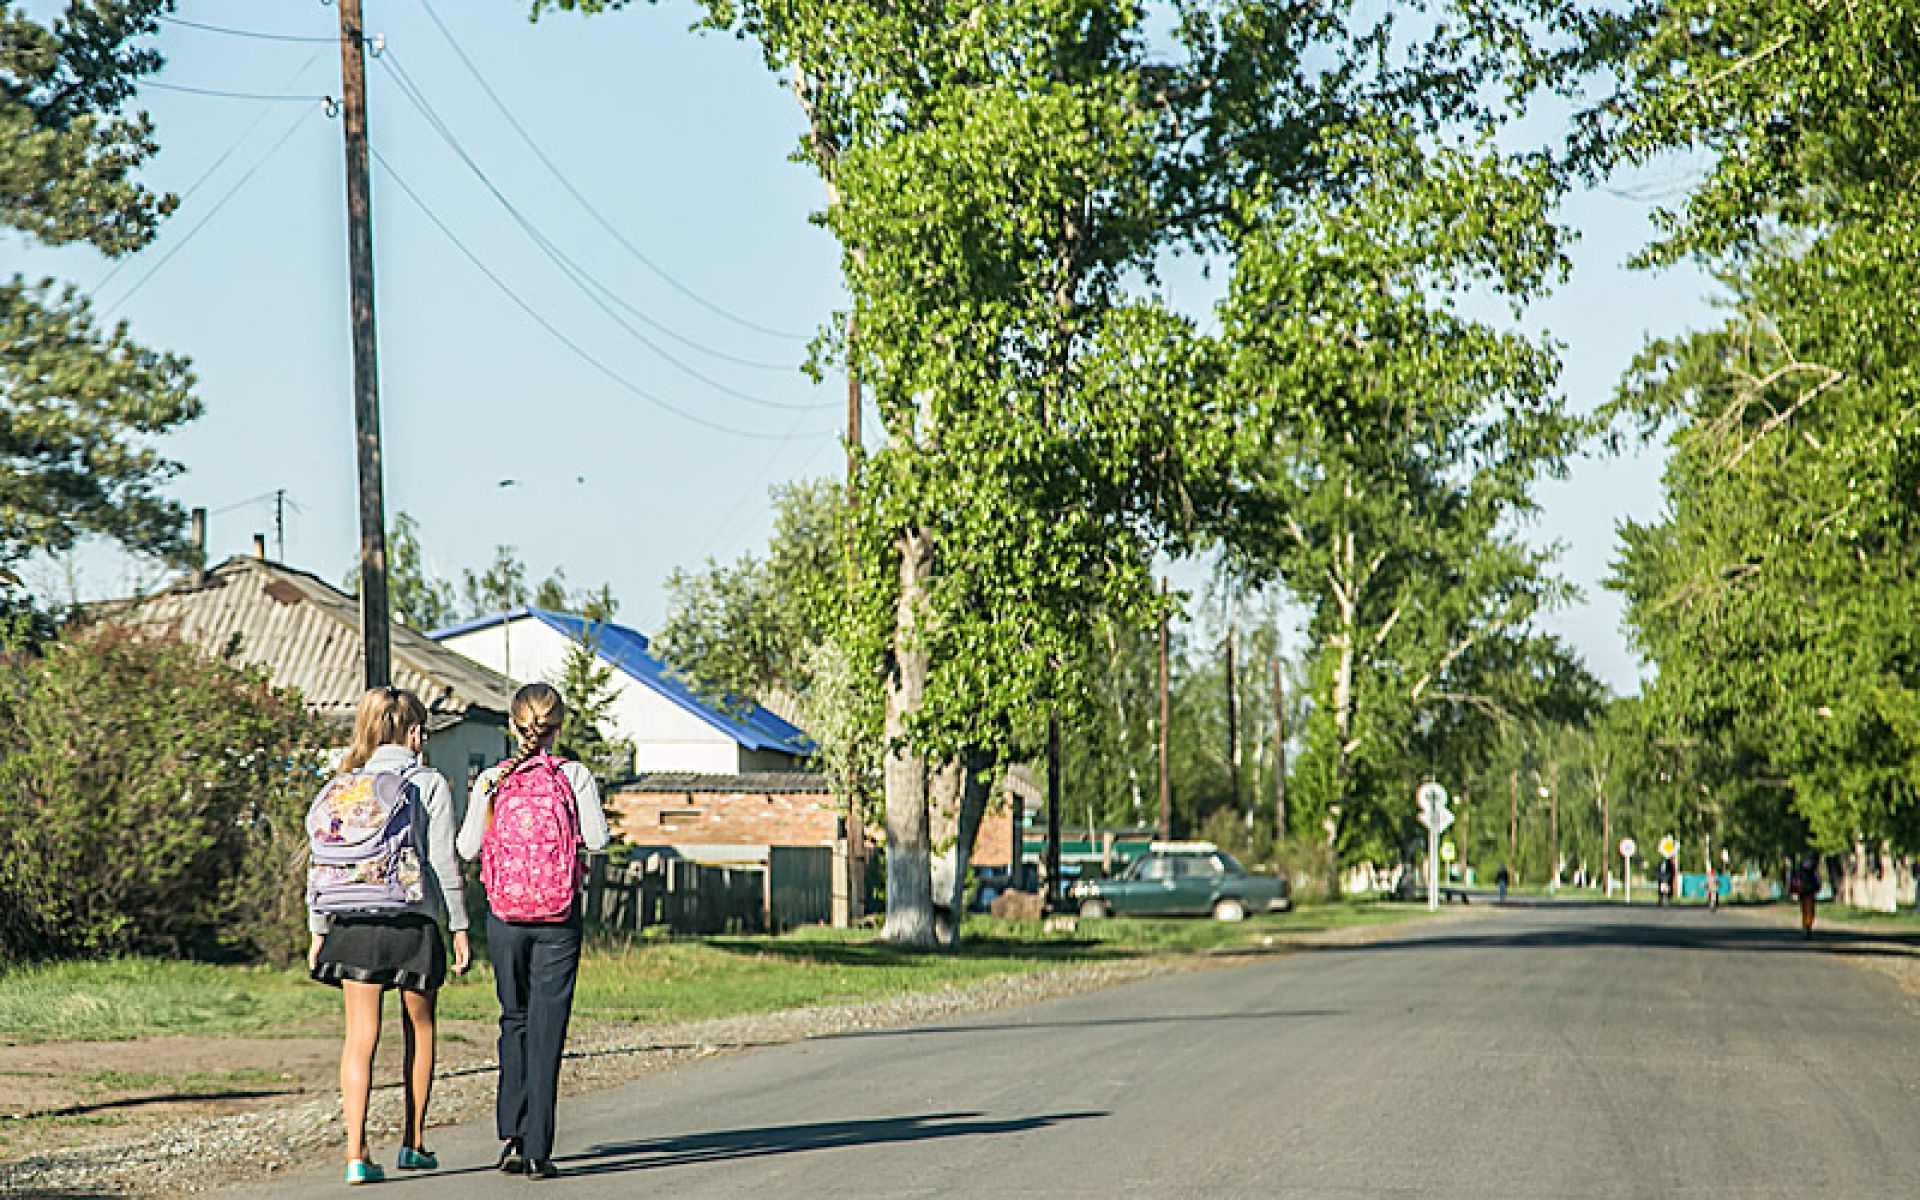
530,858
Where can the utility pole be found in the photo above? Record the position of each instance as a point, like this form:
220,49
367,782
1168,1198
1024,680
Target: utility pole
1166,779
1233,730
1279,753
853,425
856,893
1513,820
1553,817
376,657
1053,808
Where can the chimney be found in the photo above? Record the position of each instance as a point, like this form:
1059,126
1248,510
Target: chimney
198,537
260,546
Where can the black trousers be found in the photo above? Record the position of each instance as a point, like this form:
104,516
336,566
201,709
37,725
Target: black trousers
534,968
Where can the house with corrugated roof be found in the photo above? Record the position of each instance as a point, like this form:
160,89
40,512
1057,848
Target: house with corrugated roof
306,634
674,726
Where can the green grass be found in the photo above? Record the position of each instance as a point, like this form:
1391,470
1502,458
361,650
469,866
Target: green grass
625,979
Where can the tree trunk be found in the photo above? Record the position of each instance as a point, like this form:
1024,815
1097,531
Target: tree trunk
959,804
1345,639
909,877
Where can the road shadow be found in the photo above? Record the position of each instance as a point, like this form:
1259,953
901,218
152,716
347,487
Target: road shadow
1683,929
736,1145
98,1106
1093,1023
876,954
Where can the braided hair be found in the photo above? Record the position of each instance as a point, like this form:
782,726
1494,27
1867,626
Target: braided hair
536,716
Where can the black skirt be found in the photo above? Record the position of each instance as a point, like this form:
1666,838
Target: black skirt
402,951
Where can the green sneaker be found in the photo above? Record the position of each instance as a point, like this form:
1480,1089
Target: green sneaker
417,1160
361,1171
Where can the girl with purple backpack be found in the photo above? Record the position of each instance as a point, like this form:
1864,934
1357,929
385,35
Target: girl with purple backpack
528,820
383,875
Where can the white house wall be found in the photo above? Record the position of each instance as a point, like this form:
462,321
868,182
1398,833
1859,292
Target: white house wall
666,737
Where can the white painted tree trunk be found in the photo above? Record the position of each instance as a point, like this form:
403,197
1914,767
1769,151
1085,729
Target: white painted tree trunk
909,878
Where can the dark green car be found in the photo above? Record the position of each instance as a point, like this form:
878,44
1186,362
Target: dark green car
1183,879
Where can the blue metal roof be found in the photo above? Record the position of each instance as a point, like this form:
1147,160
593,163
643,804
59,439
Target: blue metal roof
627,649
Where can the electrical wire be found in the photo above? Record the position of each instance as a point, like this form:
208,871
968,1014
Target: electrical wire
595,291
226,95
725,527
248,33
417,97
211,213
217,163
579,351
611,229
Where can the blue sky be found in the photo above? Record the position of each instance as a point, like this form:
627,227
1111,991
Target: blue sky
682,142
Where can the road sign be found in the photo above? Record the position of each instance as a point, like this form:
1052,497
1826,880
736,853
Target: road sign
1447,852
1669,847
1430,795
1437,820
1627,848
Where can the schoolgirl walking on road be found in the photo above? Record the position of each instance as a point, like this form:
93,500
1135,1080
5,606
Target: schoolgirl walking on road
383,874
527,821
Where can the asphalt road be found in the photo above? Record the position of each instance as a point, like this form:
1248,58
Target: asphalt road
1542,1052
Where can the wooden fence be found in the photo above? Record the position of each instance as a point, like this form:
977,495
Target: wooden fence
685,897
794,888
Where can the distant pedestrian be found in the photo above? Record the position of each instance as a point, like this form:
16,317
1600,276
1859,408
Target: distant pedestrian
1713,887
1500,880
1665,876
1803,882
527,821
383,869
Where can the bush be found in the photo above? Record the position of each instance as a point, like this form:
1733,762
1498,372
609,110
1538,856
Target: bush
151,800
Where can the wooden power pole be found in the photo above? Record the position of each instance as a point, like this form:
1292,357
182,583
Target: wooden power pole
1166,779
1233,728
376,654
1279,753
1054,800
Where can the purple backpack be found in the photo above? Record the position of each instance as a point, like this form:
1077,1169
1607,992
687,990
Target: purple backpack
362,833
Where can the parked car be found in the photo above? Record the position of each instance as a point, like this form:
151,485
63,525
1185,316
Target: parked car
1183,879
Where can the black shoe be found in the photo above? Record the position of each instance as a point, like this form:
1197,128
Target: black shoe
542,1168
512,1161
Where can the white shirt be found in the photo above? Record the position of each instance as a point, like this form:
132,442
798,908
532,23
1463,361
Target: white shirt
586,797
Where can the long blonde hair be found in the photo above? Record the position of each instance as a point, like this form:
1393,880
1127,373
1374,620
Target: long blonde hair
536,717
385,717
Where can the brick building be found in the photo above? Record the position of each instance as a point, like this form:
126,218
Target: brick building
731,818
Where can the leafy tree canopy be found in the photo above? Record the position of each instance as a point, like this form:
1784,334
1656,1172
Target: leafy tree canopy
80,403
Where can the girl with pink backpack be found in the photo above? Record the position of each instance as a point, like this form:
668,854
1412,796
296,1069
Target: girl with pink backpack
528,820
382,875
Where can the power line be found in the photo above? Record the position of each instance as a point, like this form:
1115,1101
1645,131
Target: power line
580,352
596,292
259,120
586,282
257,35
612,230
226,95
211,212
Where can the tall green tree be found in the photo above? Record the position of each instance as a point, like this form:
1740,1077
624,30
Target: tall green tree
80,403
1405,440
990,173
751,628
1773,594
